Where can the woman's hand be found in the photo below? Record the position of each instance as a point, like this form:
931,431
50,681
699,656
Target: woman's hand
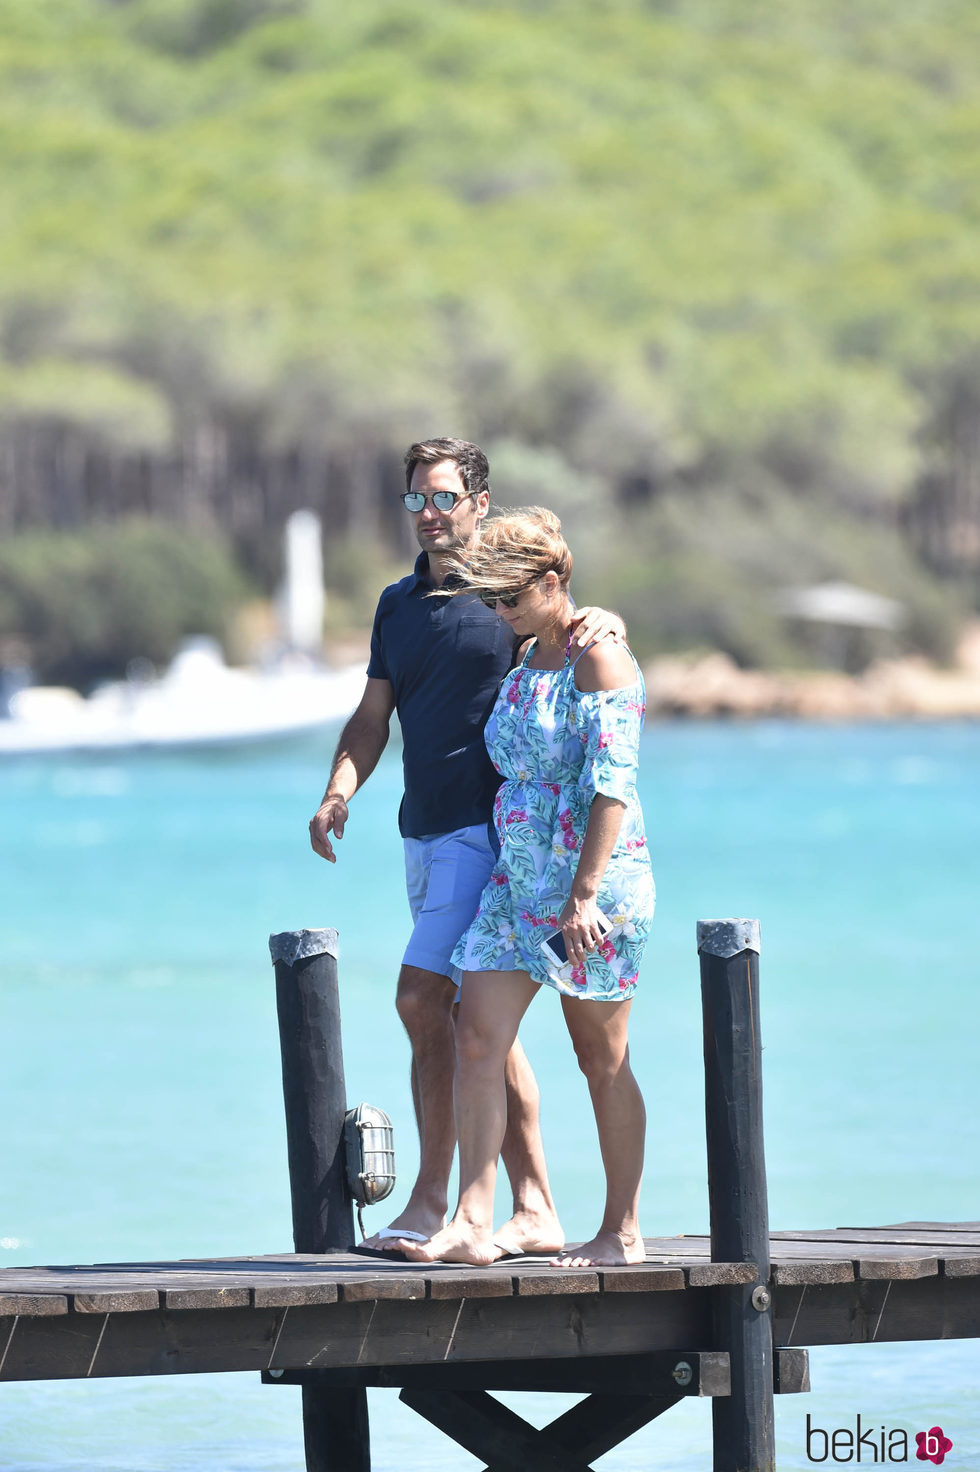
581,928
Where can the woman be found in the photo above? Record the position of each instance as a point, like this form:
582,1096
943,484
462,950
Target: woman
564,734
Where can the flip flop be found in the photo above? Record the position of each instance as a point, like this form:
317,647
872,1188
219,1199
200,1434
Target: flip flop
392,1255
390,1234
506,1256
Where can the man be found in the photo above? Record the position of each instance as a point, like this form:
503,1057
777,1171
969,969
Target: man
439,662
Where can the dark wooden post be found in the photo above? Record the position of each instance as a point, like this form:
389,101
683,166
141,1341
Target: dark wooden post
335,1422
743,1421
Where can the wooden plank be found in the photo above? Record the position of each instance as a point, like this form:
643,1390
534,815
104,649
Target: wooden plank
641,1280
360,1290
831,1248
791,1371
556,1281
293,1295
787,1273
877,1268
721,1274
642,1374
393,1332
191,1341
934,1237
33,1305
961,1267
115,1303
495,1328
195,1298
919,1227
865,1312
474,1285
53,1347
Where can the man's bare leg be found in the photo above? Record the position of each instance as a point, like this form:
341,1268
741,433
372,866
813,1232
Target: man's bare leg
534,1226
425,1005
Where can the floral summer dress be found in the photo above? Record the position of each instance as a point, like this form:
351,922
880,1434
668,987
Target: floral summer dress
556,747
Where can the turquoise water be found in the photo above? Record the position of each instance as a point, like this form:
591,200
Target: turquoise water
140,1087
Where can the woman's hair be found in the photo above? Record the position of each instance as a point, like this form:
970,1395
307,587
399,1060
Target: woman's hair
512,551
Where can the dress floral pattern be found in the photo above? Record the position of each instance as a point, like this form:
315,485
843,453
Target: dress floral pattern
557,747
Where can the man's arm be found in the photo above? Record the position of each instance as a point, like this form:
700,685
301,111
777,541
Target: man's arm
590,624
361,743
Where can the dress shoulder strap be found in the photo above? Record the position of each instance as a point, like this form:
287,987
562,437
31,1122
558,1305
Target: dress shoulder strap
580,653
629,651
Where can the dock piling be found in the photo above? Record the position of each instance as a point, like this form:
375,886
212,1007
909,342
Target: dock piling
743,1423
335,1421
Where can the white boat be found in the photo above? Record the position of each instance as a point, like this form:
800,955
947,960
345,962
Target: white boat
199,702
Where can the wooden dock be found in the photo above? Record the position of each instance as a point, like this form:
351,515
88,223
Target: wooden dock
730,1317
380,1322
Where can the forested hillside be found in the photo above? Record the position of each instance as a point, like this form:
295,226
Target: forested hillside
703,274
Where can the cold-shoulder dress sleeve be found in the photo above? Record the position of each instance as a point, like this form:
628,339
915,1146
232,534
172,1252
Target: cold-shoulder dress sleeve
609,723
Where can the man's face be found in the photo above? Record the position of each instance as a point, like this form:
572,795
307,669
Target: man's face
446,531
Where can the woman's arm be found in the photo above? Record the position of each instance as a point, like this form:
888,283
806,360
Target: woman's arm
606,666
579,920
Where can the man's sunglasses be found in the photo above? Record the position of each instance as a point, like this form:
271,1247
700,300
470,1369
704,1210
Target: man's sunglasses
441,500
509,600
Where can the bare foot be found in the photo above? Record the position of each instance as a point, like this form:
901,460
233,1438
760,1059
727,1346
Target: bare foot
452,1244
606,1250
534,1233
421,1224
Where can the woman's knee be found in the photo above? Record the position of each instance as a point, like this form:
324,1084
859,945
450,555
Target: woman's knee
599,1061
479,1046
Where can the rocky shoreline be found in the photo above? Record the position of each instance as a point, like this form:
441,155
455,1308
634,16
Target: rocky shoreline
703,686
713,685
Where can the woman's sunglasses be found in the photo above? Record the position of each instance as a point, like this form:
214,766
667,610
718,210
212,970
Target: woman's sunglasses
509,600
441,500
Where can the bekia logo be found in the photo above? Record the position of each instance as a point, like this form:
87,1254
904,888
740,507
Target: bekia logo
933,1445
864,1443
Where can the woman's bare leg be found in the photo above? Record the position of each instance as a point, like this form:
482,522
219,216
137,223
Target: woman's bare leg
599,1033
490,1011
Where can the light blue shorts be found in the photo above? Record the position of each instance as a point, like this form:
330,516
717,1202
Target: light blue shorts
445,874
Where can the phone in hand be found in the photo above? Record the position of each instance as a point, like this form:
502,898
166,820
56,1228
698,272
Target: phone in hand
553,944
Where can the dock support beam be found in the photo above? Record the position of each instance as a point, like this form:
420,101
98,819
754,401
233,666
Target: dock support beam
742,1422
335,1422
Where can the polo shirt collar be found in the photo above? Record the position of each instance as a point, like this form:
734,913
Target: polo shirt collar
421,571
421,574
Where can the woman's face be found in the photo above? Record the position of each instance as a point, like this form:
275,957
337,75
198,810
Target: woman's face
537,607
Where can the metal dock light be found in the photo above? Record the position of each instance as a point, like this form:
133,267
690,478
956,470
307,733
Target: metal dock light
370,1154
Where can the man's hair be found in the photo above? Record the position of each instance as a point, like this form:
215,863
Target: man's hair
472,464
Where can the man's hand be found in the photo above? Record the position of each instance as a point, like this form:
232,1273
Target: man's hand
330,817
590,624
361,743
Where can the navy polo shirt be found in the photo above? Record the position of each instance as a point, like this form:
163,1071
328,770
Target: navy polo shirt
445,659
